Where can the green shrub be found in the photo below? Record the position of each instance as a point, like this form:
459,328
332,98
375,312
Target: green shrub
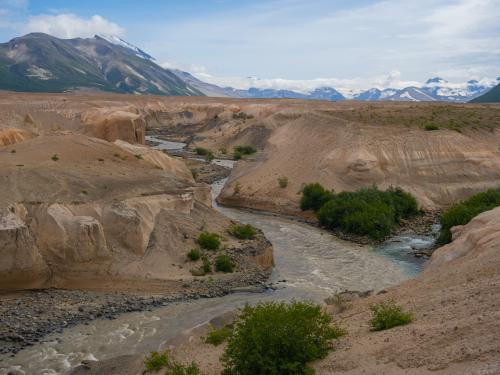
278,338
240,151
314,196
223,150
217,336
195,172
206,267
180,369
386,315
55,157
209,156
369,211
243,232
431,126
209,241
463,212
283,182
202,151
194,254
156,361
223,263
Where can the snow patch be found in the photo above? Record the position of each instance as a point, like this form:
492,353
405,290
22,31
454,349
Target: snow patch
113,39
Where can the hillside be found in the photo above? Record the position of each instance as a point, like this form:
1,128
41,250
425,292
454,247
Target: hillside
492,96
43,63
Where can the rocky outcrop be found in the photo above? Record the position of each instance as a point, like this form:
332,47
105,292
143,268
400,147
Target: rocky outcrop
21,264
126,124
11,136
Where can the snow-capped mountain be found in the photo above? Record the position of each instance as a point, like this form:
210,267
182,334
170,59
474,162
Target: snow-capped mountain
374,94
120,42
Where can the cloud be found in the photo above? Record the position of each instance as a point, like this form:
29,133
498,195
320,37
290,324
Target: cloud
68,25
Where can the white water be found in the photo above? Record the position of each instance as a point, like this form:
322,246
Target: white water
309,264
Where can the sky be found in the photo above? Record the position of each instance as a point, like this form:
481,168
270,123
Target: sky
290,44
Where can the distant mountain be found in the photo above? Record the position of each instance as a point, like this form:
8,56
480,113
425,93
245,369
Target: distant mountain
492,96
435,89
43,63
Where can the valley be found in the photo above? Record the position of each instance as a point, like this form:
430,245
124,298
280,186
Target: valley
104,195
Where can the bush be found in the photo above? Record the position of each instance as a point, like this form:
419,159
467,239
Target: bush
283,182
240,151
463,212
55,157
431,126
278,338
206,267
209,241
386,315
195,172
194,254
243,232
368,211
217,336
223,263
314,196
156,361
202,151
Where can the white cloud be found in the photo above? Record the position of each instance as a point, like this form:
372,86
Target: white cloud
68,25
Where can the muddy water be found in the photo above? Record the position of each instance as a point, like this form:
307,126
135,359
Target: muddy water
310,264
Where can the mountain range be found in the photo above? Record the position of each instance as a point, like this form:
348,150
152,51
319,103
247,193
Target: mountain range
43,63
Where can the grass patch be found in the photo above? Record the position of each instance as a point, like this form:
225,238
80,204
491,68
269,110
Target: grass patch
368,212
217,336
209,241
279,338
463,212
283,182
242,232
194,254
386,315
206,266
223,263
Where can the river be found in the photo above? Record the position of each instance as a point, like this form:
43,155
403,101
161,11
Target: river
310,264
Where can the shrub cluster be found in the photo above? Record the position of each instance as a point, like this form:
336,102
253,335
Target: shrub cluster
463,212
209,241
279,338
386,315
242,232
368,211
209,156
240,151
223,263
430,126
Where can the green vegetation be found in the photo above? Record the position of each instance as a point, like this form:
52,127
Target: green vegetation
242,232
241,151
208,154
237,188
194,254
368,212
206,267
195,173
217,336
314,196
223,150
283,182
386,315
55,157
223,263
209,241
429,126
156,361
461,213
242,116
279,338
12,151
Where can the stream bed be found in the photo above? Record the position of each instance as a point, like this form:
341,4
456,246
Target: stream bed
310,264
